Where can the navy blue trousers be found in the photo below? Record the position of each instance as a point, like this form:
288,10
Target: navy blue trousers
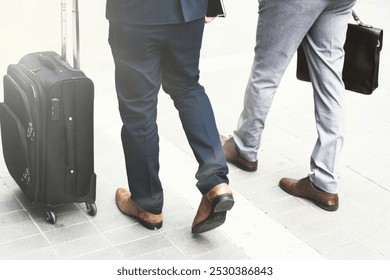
147,57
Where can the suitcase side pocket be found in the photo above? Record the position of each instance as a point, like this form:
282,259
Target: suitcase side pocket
20,104
15,150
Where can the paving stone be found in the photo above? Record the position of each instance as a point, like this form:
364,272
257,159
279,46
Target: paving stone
144,246
280,226
70,233
22,246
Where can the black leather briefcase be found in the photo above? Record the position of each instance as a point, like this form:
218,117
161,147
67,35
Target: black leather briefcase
362,54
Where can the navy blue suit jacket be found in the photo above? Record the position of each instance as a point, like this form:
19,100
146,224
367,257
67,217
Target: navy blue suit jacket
147,12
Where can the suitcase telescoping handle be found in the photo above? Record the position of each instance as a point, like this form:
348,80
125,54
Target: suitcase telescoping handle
76,32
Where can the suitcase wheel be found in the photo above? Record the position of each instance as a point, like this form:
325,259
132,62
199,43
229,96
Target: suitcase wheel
51,217
91,208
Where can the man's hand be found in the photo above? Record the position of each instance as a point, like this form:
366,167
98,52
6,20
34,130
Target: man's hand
208,19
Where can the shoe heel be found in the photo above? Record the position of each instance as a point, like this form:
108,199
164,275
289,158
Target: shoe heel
149,225
330,208
223,203
212,222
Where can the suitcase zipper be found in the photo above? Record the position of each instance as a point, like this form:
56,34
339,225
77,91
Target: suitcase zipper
30,132
26,177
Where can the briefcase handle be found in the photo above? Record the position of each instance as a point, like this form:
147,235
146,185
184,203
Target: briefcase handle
357,19
76,32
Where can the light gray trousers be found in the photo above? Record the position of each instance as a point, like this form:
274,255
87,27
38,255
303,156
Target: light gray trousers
321,27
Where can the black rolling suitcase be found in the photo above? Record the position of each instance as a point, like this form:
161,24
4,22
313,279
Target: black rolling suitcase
47,128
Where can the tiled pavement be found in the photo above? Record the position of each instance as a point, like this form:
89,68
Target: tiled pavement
265,223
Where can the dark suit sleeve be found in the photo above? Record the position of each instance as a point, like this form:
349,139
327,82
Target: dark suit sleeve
194,9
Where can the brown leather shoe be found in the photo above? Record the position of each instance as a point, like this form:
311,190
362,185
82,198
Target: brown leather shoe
233,156
212,209
130,208
306,189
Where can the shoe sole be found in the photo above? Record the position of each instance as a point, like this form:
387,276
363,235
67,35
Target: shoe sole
241,166
149,225
217,217
330,208
142,222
